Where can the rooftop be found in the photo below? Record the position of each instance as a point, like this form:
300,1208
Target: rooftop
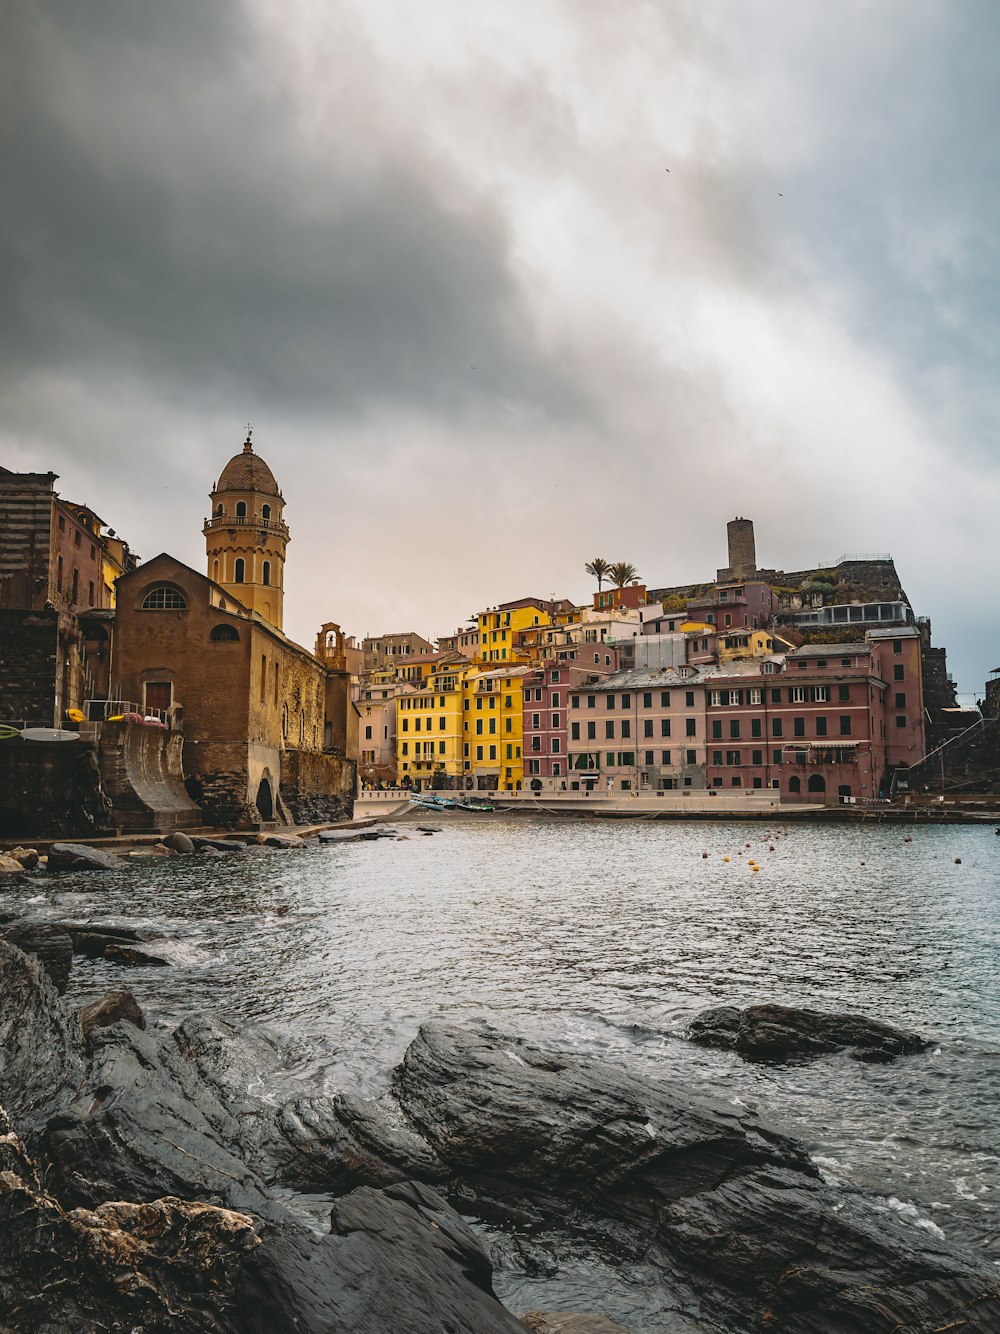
829,650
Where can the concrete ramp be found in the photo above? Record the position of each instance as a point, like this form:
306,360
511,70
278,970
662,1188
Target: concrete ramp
143,776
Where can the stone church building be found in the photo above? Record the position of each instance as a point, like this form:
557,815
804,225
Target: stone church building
269,733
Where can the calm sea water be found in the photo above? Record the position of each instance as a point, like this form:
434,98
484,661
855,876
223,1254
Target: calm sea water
607,937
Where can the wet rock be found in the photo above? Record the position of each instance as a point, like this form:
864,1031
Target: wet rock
116,1006
545,1132
799,1257
335,1144
281,841
145,1125
78,857
783,1032
159,850
571,1322
395,1260
28,857
348,835
41,1045
732,1215
179,842
218,844
93,941
133,958
10,865
157,1266
51,945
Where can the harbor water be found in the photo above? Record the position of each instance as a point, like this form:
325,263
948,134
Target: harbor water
607,938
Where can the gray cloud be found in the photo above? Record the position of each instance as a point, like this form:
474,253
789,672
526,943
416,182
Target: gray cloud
483,331
170,223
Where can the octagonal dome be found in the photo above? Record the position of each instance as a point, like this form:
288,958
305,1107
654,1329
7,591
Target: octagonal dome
247,471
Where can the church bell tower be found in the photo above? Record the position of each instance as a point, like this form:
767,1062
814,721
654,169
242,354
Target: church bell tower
246,536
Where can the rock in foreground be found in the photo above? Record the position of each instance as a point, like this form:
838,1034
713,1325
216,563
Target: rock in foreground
784,1033
80,857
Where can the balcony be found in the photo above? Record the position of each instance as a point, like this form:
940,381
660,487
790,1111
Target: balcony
247,521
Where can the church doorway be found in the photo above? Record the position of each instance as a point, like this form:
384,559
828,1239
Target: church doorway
265,800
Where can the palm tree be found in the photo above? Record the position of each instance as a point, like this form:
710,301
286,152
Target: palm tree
599,568
622,572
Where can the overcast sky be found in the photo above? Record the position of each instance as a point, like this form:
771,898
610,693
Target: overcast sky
505,286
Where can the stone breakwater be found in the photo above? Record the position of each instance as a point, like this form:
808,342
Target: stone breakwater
143,1186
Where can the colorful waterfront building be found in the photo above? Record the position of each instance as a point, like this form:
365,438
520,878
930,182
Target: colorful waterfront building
430,726
493,734
545,723
376,702
638,731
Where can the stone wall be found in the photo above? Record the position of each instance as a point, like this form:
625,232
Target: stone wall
218,781
969,762
28,662
51,789
317,787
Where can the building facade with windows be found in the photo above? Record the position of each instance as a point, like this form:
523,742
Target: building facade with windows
430,727
545,723
806,725
56,604
638,731
493,733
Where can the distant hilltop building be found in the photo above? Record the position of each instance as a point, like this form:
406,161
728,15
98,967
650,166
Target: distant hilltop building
742,550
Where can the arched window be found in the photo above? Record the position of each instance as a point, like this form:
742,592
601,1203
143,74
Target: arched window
265,512
215,570
795,783
219,509
241,509
164,598
224,634
266,576
817,783
240,570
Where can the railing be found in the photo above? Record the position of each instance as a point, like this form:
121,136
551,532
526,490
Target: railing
247,521
848,556
100,710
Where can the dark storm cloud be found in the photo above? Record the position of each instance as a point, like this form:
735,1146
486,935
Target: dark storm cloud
171,223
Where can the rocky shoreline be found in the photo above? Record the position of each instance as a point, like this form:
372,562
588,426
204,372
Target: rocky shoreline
142,1187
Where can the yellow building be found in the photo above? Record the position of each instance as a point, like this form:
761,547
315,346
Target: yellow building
494,735
499,628
738,644
430,728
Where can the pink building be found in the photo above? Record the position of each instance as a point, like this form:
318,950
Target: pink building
743,605
811,729
545,704
896,654
638,731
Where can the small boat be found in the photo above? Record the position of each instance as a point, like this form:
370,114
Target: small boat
473,805
49,734
430,803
